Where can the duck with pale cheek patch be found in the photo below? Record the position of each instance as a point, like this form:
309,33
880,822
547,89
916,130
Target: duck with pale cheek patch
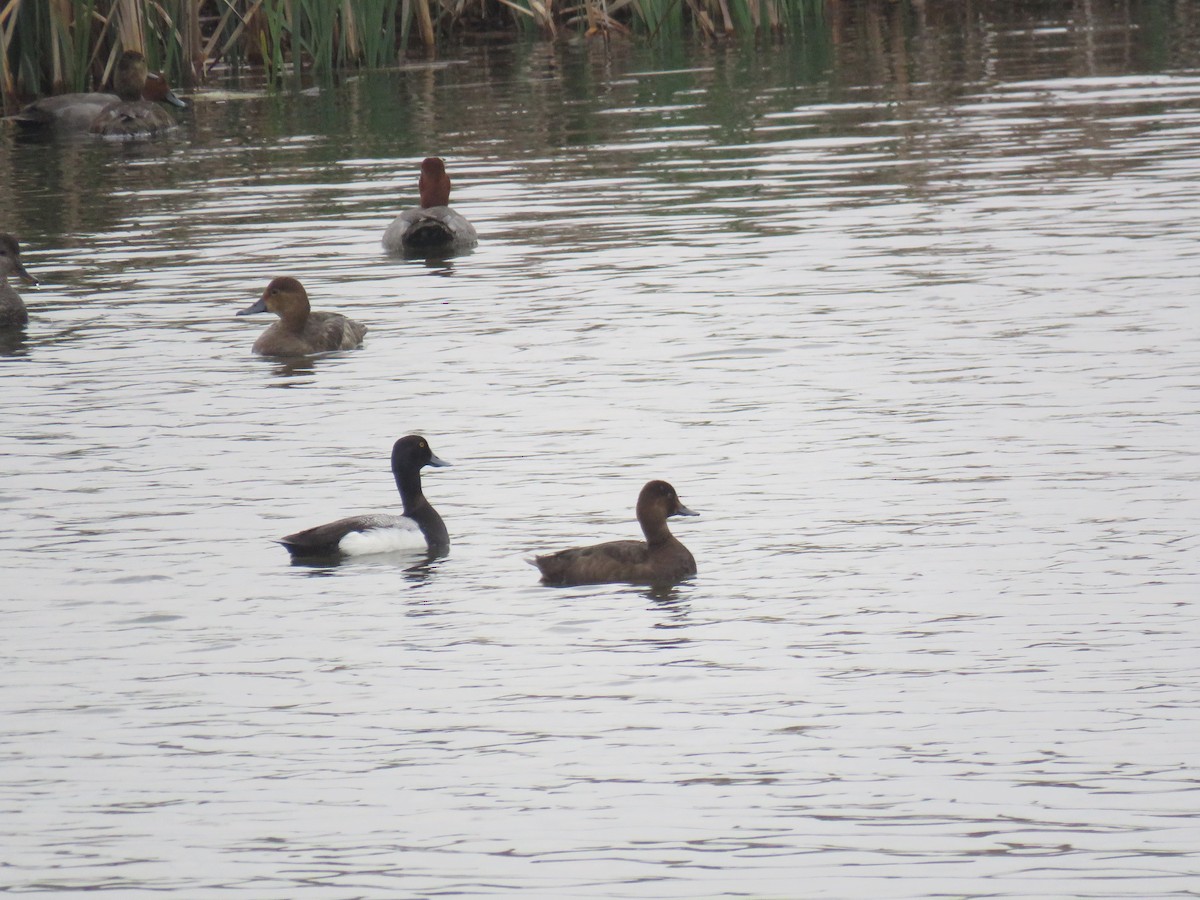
418,528
300,331
432,227
13,313
659,560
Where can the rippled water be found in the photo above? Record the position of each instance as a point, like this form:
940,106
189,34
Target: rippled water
922,350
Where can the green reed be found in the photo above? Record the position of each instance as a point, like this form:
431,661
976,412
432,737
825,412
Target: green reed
57,45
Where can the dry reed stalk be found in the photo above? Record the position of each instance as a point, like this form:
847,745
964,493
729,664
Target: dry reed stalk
244,23
8,21
425,24
729,29
190,39
61,19
129,25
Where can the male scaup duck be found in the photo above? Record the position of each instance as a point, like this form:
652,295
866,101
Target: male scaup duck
131,116
299,331
433,226
661,559
77,112
12,309
418,528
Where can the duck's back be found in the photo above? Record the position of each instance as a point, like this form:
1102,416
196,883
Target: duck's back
132,119
323,331
617,561
355,536
333,331
67,112
434,228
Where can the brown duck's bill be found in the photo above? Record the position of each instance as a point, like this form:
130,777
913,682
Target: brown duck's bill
24,275
260,306
682,510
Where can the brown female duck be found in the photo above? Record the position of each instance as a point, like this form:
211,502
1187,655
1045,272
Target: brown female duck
433,226
12,309
300,331
661,559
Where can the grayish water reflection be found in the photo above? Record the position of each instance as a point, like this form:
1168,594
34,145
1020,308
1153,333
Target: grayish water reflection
922,352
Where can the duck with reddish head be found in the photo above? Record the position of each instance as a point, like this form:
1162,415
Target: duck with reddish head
433,227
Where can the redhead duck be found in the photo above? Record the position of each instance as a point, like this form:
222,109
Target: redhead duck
300,331
131,116
12,309
661,559
419,527
433,226
77,112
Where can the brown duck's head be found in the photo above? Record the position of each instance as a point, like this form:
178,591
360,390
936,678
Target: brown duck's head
157,88
284,296
434,183
130,76
658,500
10,260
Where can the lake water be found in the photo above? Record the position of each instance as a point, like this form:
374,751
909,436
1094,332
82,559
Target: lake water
905,309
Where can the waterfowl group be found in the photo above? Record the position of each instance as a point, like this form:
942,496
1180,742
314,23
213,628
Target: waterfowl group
131,111
299,331
659,560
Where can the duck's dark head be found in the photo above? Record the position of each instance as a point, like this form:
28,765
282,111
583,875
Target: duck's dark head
414,452
10,260
658,497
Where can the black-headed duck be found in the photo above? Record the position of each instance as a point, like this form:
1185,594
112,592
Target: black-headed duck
12,309
131,116
75,113
433,226
418,528
299,331
660,559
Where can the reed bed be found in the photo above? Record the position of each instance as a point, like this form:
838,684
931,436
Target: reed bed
50,46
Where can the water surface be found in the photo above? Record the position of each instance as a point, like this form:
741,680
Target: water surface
905,310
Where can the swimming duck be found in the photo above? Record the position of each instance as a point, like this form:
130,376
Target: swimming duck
300,331
661,559
420,526
77,112
131,116
433,226
12,309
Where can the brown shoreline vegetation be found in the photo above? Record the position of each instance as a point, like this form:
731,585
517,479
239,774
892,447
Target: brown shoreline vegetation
51,46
